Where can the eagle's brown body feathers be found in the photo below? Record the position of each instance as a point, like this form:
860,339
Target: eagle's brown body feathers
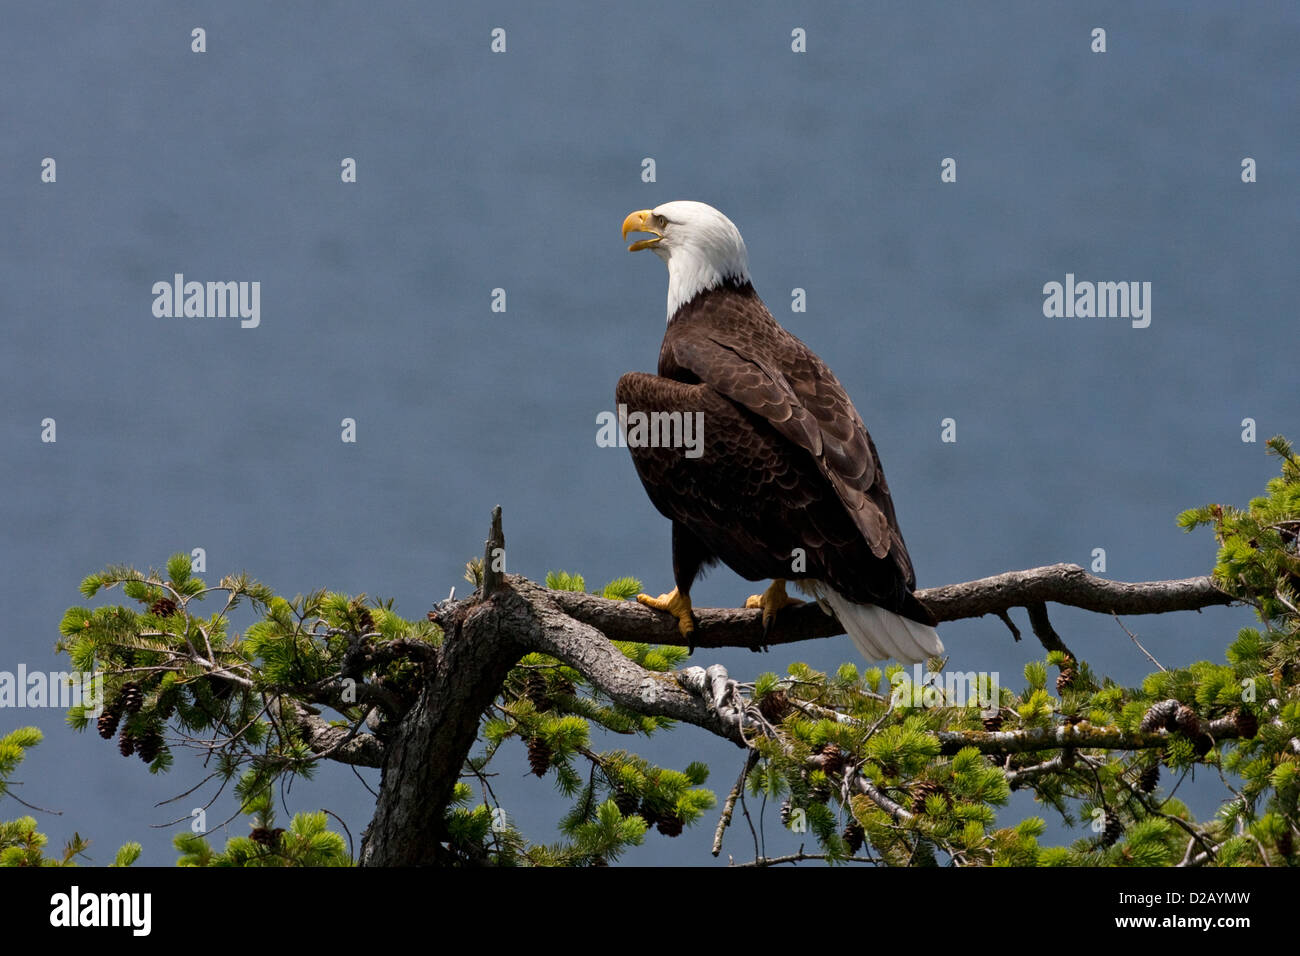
787,463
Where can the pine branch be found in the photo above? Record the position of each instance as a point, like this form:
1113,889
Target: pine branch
800,857
488,632
1081,735
341,744
1066,584
729,807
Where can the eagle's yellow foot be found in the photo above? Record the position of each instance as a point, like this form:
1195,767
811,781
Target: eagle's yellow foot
771,601
679,606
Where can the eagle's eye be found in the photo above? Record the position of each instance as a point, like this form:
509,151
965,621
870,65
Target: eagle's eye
660,221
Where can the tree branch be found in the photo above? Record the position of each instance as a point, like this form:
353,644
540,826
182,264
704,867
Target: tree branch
1066,584
1082,735
332,743
424,749
495,544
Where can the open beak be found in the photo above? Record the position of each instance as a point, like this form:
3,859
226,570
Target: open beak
639,221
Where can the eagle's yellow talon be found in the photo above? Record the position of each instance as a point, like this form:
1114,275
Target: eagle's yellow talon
771,601
676,605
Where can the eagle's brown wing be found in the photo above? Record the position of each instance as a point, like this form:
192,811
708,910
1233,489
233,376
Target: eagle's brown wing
750,497
762,367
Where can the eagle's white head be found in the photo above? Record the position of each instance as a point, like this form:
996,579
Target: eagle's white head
700,245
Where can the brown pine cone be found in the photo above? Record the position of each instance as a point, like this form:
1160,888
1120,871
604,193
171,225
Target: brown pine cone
1150,778
626,802
832,758
853,836
924,789
670,825
1187,722
1066,677
993,723
648,814
107,724
535,690
1247,724
126,743
539,756
148,746
131,698
266,837
1114,830
163,607
775,706
1160,717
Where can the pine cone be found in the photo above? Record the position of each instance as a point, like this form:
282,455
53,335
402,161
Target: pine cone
126,743
1186,721
131,697
994,723
539,756
107,723
775,707
648,814
922,790
626,802
365,620
670,825
148,746
564,688
1150,778
1066,677
535,690
1247,724
832,758
163,607
785,814
853,836
267,837
1159,717
1114,830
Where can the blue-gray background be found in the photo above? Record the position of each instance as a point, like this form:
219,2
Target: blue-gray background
481,170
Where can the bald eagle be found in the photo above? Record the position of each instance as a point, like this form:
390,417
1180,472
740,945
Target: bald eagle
787,484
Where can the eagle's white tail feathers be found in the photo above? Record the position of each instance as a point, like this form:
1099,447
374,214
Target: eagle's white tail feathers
881,634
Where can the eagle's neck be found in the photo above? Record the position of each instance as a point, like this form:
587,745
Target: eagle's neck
692,272
729,301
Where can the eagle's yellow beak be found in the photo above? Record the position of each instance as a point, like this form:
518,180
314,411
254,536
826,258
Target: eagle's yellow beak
639,221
